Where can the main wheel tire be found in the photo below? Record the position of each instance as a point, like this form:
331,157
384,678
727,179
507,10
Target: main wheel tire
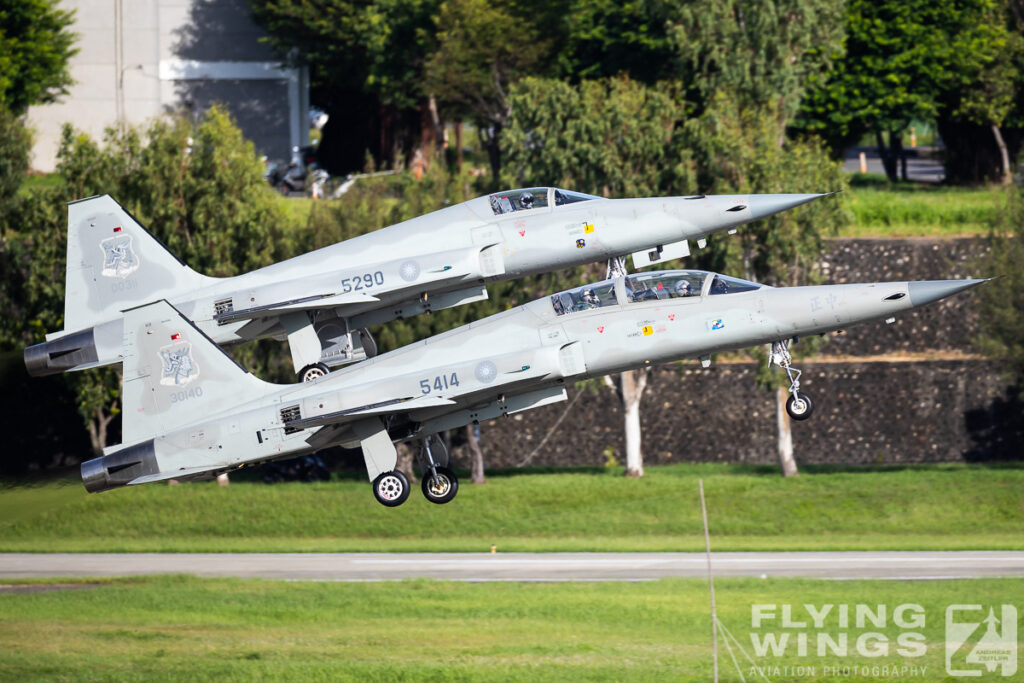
443,489
800,409
391,489
312,372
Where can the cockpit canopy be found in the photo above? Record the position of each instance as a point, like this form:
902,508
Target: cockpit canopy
534,198
651,286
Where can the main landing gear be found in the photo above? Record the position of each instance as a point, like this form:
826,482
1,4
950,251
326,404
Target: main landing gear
799,405
312,372
391,488
439,483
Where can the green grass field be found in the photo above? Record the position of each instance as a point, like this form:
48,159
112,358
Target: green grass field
917,210
923,507
179,628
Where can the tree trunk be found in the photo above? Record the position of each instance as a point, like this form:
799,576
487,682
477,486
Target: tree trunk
98,429
405,462
458,145
476,455
491,141
888,163
786,460
1003,154
633,383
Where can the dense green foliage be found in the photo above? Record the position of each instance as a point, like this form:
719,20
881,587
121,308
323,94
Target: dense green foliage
956,61
15,143
185,628
585,510
198,186
1002,306
35,48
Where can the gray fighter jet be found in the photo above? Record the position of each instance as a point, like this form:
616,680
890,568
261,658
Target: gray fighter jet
190,411
321,302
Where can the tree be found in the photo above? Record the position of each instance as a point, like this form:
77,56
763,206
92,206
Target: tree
35,49
482,48
983,95
198,186
1001,303
907,60
15,144
366,61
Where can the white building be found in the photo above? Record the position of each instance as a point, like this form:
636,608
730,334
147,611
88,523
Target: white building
139,59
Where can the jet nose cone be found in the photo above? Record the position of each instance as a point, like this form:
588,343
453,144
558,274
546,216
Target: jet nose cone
762,205
926,291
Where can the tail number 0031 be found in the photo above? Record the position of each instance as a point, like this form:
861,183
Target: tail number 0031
439,383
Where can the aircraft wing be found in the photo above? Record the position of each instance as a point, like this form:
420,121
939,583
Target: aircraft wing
173,474
316,301
291,297
397,405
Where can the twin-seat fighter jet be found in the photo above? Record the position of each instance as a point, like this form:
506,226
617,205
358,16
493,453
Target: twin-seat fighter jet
190,411
322,302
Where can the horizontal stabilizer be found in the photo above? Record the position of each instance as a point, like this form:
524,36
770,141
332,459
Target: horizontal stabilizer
309,303
398,405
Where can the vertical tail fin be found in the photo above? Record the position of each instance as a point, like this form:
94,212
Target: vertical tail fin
174,375
114,263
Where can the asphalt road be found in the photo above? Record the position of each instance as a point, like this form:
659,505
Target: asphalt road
520,566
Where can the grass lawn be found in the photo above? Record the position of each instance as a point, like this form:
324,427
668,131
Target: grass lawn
917,210
751,508
181,628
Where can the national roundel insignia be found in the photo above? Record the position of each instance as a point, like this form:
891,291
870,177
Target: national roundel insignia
580,244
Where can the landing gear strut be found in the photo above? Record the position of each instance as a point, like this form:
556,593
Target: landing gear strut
799,405
439,483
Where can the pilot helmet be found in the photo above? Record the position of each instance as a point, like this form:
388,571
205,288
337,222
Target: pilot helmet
682,288
526,200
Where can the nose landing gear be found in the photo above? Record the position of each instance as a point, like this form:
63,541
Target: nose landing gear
799,405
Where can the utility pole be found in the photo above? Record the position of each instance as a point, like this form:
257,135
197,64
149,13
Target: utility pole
711,582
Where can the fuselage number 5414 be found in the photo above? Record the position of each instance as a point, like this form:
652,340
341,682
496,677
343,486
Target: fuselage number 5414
440,383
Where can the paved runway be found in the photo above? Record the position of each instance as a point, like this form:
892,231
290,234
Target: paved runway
521,566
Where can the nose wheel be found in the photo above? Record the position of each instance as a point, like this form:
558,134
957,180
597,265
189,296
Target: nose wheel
799,405
439,483
440,486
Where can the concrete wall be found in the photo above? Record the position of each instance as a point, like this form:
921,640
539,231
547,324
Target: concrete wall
926,400
140,59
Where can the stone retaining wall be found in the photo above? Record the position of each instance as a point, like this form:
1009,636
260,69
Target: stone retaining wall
880,412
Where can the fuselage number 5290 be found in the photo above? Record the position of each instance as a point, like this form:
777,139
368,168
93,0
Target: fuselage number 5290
439,383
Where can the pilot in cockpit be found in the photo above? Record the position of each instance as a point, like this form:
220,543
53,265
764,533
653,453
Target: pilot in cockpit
683,288
589,300
526,200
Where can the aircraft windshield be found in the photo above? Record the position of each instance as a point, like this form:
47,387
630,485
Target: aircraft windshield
585,298
570,197
723,284
519,200
668,284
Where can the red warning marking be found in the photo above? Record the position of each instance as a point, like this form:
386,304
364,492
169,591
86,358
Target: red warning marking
601,329
522,233
117,229
175,336
672,317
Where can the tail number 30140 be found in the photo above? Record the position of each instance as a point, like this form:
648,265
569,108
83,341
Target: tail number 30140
439,383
